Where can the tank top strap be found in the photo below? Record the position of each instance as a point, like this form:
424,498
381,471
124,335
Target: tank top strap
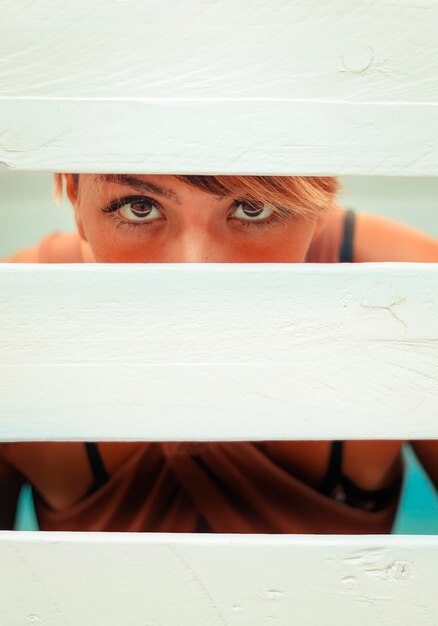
98,470
334,470
346,248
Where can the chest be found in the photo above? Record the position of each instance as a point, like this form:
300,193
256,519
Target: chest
62,473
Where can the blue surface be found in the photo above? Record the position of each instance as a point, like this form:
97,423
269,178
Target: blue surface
26,518
418,512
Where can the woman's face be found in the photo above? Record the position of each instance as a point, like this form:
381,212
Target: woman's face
160,219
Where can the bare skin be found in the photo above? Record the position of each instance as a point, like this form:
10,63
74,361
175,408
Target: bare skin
184,224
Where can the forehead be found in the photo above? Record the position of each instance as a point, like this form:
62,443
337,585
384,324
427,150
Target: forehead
165,186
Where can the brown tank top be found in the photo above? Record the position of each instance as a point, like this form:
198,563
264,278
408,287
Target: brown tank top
226,487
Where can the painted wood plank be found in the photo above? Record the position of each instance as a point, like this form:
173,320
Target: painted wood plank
218,351
268,137
270,87
141,49
234,580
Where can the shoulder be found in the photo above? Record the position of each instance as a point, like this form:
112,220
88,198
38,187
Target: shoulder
60,247
56,247
27,255
375,239
381,239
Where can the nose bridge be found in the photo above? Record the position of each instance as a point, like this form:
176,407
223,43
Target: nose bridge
193,245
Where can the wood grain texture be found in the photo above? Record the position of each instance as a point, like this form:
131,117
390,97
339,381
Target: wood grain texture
218,351
270,87
234,580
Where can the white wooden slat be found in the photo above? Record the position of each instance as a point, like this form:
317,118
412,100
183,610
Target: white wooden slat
218,351
267,87
234,580
230,137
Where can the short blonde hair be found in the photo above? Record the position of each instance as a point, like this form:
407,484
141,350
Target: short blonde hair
305,196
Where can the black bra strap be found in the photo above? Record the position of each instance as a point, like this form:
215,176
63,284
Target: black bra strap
97,467
334,470
346,250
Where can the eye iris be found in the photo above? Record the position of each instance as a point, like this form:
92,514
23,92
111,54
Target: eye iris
252,211
140,210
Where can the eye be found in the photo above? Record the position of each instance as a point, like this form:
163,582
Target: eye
253,212
139,210
134,211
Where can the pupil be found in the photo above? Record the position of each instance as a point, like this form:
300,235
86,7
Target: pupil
252,211
140,210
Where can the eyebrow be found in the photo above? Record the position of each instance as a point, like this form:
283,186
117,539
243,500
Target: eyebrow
139,185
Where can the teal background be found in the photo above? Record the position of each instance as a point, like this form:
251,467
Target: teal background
418,512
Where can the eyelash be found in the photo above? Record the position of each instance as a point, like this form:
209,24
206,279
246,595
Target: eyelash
117,204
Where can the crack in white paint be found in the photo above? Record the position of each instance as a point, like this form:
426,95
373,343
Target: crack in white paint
419,373
389,308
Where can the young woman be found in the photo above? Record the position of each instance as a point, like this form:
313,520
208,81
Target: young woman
315,487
